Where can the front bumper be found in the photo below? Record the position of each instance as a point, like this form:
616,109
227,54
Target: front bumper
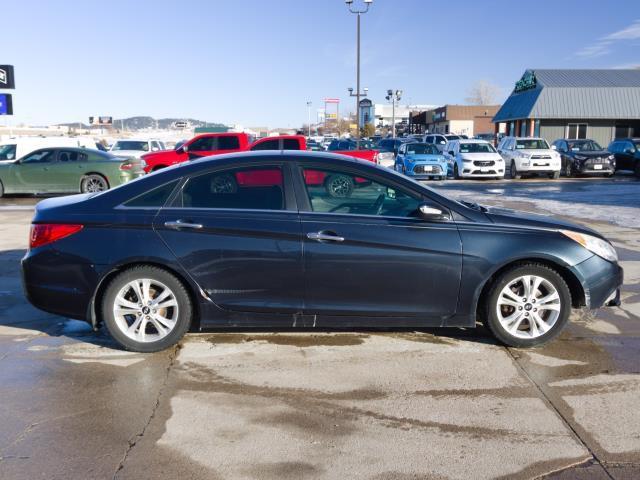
426,171
601,281
591,169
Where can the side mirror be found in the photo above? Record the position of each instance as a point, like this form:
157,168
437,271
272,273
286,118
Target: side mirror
182,149
430,213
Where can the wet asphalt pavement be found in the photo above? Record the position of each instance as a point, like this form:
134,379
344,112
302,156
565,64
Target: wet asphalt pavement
438,404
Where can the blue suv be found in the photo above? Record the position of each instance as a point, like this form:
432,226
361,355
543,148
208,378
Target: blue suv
421,160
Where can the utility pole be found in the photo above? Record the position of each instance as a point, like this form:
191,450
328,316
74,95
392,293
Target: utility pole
393,97
309,118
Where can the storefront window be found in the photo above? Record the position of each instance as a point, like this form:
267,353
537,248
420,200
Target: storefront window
576,131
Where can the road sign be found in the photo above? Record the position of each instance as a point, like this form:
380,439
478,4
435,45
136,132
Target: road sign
180,124
7,80
6,104
331,100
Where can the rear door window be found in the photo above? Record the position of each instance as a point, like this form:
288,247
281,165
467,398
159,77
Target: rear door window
254,188
290,144
267,145
230,142
205,144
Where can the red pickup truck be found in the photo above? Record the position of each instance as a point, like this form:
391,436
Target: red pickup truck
199,146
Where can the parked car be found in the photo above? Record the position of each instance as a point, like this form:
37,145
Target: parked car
18,147
627,154
199,146
65,170
349,147
135,148
247,240
529,156
421,161
314,146
440,140
281,142
474,158
584,157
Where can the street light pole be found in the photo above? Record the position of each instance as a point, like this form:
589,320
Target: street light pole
358,12
393,97
309,118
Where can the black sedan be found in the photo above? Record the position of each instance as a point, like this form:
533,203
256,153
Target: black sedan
584,157
255,240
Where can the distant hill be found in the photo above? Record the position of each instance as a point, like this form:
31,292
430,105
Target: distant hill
141,123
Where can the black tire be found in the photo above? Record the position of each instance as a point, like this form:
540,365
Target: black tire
183,300
554,175
568,171
513,170
456,173
637,169
339,186
94,183
489,314
1,190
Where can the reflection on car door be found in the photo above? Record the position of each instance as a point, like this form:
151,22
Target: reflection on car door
367,255
237,233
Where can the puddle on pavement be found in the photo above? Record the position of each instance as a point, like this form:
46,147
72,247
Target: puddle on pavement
298,340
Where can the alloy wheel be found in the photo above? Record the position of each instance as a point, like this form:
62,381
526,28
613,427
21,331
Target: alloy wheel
528,306
95,184
145,310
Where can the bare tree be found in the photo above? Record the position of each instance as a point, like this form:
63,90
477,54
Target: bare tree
483,93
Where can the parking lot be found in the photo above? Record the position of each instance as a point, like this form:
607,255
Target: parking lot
447,403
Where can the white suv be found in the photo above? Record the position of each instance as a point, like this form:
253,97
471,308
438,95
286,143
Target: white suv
474,158
529,155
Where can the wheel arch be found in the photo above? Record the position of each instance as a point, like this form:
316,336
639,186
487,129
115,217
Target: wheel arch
579,298
94,305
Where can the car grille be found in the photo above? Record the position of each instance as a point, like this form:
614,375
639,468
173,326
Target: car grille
435,170
596,161
484,163
540,157
481,172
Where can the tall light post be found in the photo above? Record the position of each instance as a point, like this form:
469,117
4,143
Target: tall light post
358,12
309,118
393,97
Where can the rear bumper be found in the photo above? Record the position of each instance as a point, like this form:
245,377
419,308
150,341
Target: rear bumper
601,281
55,286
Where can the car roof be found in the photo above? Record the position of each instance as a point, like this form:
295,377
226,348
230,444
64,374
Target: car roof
471,140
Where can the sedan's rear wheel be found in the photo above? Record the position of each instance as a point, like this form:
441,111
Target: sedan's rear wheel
1,190
528,305
94,183
146,309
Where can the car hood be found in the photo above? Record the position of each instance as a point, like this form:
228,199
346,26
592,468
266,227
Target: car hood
482,156
597,153
426,158
506,216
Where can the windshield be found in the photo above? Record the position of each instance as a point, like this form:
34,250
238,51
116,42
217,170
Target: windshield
532,144
476,148
589,146
8,152
130,145
422,149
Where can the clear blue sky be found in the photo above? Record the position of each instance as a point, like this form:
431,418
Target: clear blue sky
257,62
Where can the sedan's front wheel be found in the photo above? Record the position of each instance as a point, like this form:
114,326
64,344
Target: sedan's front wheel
527,305
146,309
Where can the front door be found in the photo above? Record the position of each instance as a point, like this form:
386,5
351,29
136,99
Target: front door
32,174
366,253
237,232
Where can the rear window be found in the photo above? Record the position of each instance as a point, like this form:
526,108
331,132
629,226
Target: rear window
153,198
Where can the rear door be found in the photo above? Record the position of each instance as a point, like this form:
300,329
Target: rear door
236,230
367,254
69,169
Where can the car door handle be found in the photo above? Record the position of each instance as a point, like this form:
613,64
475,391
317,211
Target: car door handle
324,237
180,224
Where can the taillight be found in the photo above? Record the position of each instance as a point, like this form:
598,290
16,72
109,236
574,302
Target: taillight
44,233
376,158
126,166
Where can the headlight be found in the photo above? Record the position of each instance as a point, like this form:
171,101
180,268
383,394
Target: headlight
466,160
611,157
596,245
143,164
580,157
410,159
522,155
